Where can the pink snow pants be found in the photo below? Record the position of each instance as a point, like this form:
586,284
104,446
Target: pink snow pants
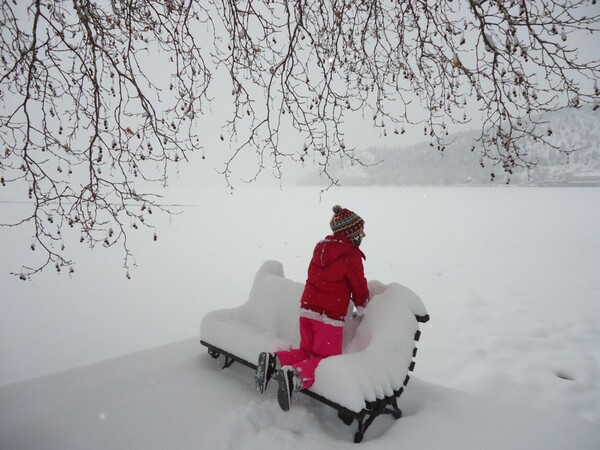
318,340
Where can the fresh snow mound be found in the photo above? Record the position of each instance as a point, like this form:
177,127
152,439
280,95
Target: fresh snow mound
377,350
267,322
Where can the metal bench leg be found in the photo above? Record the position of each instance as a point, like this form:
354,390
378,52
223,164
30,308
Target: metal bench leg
228,362
346,418
395,411
214,353
363,426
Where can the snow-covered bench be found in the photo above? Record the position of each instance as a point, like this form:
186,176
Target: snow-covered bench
378,353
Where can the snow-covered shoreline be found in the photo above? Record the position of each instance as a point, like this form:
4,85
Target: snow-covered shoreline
176,397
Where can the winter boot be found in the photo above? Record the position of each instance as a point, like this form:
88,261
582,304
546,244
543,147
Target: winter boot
264,370
289,381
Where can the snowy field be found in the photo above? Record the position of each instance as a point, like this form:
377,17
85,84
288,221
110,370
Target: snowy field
509,277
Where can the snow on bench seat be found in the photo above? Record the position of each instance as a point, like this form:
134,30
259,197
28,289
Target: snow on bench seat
267,322
378,349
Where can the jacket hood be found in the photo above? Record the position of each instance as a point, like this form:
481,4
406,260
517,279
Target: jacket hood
332,248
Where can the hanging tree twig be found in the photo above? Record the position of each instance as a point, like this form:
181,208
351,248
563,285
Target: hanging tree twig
88,129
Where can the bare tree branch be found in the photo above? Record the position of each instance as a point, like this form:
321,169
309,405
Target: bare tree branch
88,128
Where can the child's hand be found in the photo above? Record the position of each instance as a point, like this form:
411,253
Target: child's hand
358,312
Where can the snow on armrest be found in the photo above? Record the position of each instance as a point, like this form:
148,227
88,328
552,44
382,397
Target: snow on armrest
376,359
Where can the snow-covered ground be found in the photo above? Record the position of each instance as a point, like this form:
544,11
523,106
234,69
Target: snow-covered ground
508,275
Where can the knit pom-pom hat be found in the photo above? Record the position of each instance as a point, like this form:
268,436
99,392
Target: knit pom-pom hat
346,222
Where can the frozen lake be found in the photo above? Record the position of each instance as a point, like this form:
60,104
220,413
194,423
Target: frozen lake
508,275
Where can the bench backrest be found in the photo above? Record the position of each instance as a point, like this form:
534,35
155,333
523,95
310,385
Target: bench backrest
273,303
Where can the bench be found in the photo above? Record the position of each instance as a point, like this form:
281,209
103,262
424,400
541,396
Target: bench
363,382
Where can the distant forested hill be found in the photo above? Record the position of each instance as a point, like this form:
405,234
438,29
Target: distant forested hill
457,165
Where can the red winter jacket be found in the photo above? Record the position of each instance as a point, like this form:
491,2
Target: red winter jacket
335,273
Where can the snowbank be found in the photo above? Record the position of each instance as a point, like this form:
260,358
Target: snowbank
378,349
172,398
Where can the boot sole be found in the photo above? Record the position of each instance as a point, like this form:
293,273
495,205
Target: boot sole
284,392
261,379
